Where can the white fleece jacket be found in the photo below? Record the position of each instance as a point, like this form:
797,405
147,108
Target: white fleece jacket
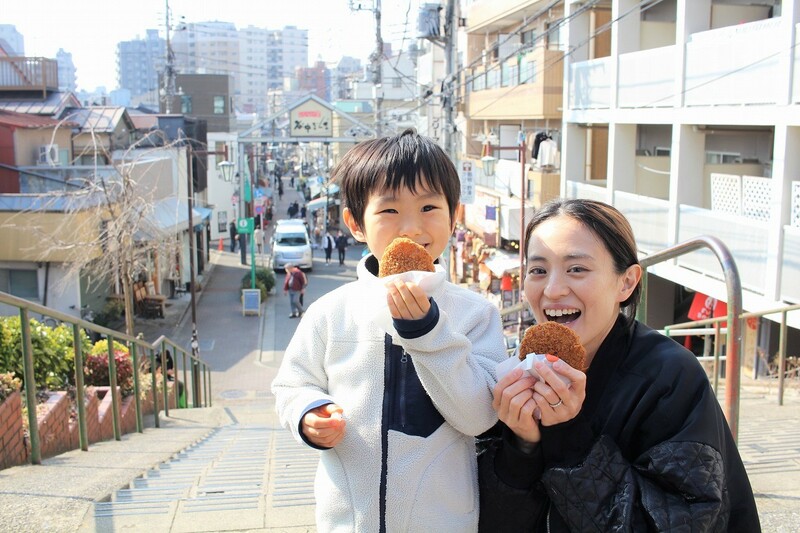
412,405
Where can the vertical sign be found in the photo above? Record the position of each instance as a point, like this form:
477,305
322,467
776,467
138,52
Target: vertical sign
467,182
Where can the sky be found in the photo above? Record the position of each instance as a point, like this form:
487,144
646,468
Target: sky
91,29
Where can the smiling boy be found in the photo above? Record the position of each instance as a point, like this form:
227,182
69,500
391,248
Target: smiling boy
394,404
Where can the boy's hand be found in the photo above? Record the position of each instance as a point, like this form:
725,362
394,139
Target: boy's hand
407,300
325,425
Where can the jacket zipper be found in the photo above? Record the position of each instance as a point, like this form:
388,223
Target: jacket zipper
403,373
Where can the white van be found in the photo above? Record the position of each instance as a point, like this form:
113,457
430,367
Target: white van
290,244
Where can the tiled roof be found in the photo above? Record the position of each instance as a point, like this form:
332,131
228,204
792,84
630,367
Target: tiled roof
25,120
51,106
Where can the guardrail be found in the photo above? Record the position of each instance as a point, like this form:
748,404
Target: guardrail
733,285
698,327
138,347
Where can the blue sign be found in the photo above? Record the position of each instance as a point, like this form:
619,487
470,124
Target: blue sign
251,302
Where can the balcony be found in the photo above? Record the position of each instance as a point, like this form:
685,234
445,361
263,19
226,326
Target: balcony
28,74
728,66
590,84
527,87
647,78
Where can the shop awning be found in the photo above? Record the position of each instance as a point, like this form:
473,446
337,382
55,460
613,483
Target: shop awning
171,216
199,221
320,203
502,262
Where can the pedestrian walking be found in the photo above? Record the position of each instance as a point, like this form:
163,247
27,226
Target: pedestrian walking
280,188
234,235
328,243
341,245
258,237
295,284
303,212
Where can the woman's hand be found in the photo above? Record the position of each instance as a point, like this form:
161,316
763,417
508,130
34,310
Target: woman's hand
557,400
515,406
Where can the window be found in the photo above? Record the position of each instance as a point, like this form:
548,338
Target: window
722,158
219,105
186,104
527,70
20,283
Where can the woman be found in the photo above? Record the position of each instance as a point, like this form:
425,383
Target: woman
329,243
636,443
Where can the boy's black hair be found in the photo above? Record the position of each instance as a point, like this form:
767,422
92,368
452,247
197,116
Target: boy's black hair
390,163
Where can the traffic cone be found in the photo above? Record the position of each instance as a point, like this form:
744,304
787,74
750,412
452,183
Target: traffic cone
220,247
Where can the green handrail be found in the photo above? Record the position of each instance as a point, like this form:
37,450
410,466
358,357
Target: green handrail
136,346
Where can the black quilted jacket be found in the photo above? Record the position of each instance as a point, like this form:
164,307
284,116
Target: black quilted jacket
649,451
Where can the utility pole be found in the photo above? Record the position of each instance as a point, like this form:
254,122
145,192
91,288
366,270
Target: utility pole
377,67
168,89
449,85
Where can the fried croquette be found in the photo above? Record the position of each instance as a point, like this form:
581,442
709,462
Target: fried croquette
403,255
555,339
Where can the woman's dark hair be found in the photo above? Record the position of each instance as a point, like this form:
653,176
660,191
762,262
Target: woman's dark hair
389,163
609,225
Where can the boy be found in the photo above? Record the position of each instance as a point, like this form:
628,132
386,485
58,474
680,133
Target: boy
394,404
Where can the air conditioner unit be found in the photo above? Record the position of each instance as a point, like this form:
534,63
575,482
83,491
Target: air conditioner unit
48,155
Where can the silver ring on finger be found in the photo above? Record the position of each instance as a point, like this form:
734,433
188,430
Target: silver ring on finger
554,405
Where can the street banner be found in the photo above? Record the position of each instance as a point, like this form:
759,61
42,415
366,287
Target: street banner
467,182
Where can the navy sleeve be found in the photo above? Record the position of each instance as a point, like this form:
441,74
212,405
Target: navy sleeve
413,329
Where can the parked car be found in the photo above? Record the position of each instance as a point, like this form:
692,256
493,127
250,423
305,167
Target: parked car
291,244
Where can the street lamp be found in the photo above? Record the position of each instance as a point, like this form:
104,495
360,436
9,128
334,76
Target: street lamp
226,169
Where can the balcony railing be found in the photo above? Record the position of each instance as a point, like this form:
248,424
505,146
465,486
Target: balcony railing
744,236
28,74
649,218
590,84
790,271
647,78
729,65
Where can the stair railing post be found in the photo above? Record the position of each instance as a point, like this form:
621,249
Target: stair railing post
30,386
83,433
112,383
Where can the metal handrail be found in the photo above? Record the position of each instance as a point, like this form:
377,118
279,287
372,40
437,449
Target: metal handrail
691,328
734,289
137,346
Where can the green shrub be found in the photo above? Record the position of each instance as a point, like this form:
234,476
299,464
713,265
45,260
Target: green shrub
53,352
8,385
265,281
101,348
96,366
111,312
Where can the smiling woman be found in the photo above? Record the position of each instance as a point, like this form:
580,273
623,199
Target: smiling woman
639,425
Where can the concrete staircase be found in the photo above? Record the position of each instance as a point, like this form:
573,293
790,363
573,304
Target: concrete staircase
238,478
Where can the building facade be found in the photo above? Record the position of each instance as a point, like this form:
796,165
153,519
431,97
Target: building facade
689,122
140,62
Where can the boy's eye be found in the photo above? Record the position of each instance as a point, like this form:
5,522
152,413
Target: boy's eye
536,271
429,208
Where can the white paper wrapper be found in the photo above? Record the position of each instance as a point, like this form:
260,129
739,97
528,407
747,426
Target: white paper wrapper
428,282
504,367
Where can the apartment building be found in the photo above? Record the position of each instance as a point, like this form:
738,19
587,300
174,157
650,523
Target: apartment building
140,63
689,123
510,92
